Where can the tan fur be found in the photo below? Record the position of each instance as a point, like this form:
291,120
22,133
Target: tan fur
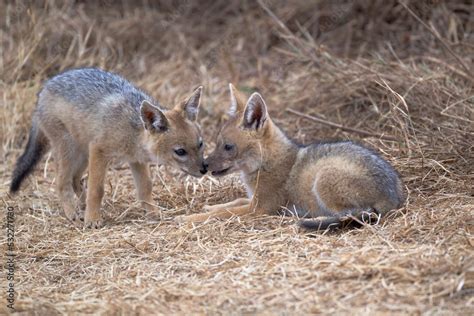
280,175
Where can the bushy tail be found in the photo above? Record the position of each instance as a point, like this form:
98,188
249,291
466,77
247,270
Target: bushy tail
35,149
353,219
323,223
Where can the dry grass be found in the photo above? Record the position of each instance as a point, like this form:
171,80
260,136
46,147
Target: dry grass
368,65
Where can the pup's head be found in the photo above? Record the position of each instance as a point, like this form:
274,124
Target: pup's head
173,136
239,142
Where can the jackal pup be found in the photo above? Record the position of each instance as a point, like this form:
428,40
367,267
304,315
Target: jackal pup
331,181
90,117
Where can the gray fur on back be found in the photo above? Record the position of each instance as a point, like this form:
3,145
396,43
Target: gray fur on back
87,87
93,105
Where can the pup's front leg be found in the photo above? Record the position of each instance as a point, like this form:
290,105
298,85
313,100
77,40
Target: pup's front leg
95,187
224,213
143,183
236,202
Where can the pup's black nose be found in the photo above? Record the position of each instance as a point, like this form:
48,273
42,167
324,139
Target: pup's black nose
204,168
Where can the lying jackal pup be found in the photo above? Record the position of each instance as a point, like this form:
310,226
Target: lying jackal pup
89,117
332,181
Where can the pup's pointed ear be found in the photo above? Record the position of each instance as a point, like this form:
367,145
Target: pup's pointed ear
255,113
153,118
190,108
236,101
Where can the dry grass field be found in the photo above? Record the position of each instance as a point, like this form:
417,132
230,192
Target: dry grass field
401,73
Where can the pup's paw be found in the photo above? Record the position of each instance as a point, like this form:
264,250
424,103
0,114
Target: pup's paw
76,216
93,220
95,224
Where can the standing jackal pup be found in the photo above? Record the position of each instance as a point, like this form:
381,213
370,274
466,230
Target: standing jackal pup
332,181
89,117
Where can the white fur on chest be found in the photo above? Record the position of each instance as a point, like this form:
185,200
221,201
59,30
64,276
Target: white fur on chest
246,182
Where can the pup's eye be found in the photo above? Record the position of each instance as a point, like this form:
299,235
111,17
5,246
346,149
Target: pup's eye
180,152
228,147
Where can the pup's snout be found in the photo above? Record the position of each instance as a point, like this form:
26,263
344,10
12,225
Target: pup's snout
204,168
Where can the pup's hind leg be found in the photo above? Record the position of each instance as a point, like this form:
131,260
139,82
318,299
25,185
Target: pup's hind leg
141,175
349,189
80,165
345,199
344,194
65,152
